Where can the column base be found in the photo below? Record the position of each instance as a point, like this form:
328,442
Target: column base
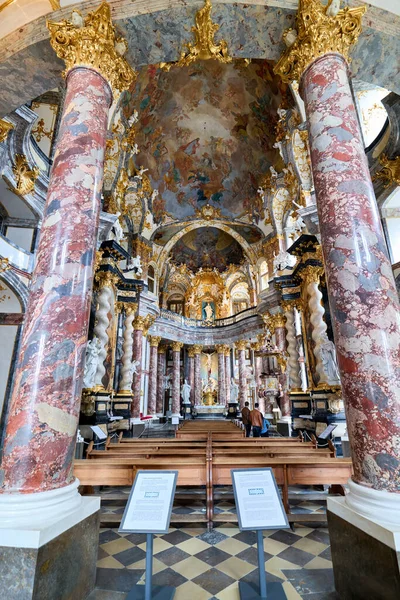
48,558
365,553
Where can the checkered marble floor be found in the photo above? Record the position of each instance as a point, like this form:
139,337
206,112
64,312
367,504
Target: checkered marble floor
204,565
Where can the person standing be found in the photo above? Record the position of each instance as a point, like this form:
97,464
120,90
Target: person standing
256,420
246,418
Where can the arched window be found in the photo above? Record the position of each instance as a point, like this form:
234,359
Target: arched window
263,275
151,280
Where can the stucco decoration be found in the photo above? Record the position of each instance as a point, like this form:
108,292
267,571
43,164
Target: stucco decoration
207,247
206,134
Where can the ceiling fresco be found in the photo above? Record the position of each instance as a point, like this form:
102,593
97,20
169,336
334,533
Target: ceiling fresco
206,134
207,247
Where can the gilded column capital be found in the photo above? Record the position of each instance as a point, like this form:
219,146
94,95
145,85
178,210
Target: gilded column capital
289,305
241,344
311,274
191,352
91,42
273,322
197,348
5,128
105,279
161,349
148,322
154,340
227,350
319,30
177,346
139,323
220,348
256,346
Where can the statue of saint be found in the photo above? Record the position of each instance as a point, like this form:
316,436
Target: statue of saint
135,265
134,368
117,232
209,312
328,356
185,392
92,357
234,391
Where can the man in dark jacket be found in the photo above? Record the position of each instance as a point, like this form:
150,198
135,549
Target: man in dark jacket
246,418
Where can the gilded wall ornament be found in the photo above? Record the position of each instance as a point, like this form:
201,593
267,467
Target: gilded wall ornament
390,173
204,46
91,42
317,33
5,128
208,213
24,176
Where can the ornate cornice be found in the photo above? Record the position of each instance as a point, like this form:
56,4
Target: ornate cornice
204,46
154,340
390,173
5,128
91,43
177,346
318,31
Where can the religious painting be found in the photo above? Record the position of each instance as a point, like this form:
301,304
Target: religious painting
206,134
208,311
209,369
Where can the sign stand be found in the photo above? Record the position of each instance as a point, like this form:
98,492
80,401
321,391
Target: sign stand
259,507
148,511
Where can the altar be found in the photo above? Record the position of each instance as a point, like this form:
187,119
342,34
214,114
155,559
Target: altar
217,411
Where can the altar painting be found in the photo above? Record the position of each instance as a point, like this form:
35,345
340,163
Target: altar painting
209,367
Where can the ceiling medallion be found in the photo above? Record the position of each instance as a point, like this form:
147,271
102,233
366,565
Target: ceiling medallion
204,46
208,213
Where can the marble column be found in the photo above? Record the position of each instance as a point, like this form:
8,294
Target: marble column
293,360
161,363
191,356
103,318
300,350
241,346
228,373
221,374
280,340
197,377
152,393
139,325
362,292
176,378
44,408
311,276
125,381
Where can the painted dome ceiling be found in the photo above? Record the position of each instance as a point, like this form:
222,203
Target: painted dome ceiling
206,134
207,247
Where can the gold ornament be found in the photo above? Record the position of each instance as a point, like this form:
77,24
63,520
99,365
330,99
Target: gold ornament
139,323
390,173
106,279
311,274
93,44
191,352
220,348
177,346
241,344
5,127
197,349
4,265
154,340
208,212
273,322
24,176
204,47
227,351
148,322
161,349
317,34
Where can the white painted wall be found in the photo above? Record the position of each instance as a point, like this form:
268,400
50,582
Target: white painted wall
8,304
22,236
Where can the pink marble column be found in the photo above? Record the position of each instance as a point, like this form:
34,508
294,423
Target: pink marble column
258,368
152,398
44,409
176,377
197,378
362,293
221,375
241,346
228,374
161,359
138,328
191,356
280,339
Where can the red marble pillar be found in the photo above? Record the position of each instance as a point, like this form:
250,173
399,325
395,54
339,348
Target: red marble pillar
228,374
197,378
43,417
221,374
241,346
152,398
191,356
161,359
280,339
176,377
362,293
139,325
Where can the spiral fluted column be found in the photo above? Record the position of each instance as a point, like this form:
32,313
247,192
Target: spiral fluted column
125,382
311,277
105,304
293,360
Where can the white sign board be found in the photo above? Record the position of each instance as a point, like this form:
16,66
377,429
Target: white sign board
150,502
99,432
258,502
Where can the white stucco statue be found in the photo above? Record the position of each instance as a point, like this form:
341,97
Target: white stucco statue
185,392
167,383
134,368
209,312
77,19
92,358
133,118
234,391
299,224
117,232
135,265
284,260
329,360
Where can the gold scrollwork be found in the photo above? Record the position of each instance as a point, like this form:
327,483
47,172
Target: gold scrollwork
5,128
91,42
390,173
317,33
204,46
24,175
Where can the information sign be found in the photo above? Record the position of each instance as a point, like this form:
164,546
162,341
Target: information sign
150,502
99,432
258,502
327,431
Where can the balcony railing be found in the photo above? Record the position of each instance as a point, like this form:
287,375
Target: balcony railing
188,322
